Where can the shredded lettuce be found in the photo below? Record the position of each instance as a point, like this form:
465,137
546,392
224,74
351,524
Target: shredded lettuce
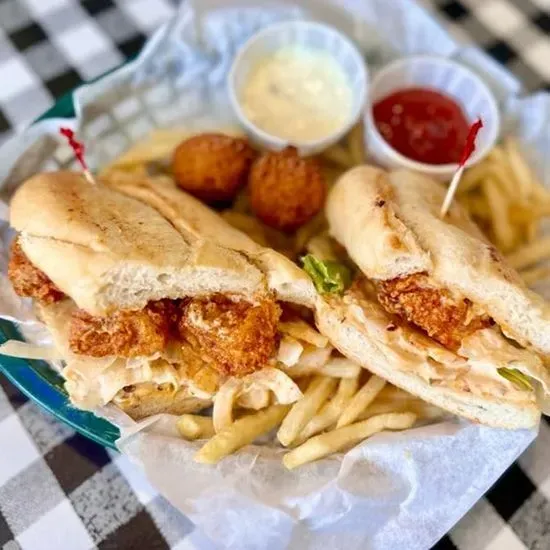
516,377
329,277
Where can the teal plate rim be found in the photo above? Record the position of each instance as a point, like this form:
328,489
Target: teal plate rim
36,379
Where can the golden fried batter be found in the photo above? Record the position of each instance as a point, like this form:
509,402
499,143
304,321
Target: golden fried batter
124,333
445,318
28,281
213,167
238,337
286,191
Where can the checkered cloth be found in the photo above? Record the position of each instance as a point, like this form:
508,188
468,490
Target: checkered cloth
59,491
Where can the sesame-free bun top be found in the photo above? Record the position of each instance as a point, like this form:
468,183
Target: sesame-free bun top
194,220
390,225
108,251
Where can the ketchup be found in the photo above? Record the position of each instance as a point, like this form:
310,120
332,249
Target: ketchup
423,125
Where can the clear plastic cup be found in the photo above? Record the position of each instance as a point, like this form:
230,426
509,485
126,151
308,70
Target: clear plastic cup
315,36
440,74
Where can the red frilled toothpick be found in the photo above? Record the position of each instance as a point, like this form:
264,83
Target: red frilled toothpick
78,148
469,148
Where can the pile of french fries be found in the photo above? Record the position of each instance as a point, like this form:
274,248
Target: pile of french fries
340,404
319,402
334,414
509,203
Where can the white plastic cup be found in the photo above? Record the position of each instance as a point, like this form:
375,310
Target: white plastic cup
440,74
315,36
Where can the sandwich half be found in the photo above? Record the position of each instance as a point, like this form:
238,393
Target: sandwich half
157,304
433,307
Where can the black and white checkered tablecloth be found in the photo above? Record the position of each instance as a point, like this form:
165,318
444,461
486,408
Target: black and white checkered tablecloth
59,491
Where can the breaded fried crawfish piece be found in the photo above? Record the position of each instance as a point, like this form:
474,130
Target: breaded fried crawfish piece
444,317
237,336
124,333
28,281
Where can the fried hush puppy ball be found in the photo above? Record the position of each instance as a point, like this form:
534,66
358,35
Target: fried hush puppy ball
286,191
212,167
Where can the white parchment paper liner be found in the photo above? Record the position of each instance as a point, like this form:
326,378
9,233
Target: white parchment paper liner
396,491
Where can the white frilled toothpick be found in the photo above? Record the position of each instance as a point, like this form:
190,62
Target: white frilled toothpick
78,148
469,148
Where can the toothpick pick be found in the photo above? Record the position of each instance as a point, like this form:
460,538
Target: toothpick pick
78,148
469,148
88,176
453,186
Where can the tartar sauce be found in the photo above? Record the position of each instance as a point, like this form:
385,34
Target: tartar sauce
298,94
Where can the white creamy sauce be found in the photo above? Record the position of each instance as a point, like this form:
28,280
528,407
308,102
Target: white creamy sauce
298,94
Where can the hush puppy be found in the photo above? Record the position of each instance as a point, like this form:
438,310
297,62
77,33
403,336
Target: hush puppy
212,167
286,191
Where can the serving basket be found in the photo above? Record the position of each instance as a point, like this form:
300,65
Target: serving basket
383,34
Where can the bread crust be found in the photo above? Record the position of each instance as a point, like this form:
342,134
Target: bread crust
108,251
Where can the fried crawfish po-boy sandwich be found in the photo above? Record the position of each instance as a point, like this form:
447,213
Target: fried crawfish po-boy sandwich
433,307
154,302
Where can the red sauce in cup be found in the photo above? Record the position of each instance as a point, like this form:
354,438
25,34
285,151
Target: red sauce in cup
422,124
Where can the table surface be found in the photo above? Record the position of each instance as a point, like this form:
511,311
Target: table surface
60,491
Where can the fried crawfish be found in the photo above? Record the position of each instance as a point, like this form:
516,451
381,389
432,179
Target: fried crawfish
124,333
444,317
237,336
28,281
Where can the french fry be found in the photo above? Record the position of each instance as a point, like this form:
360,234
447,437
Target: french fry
113,173
329,413
531,230
325,444
290,351
340,367
149,150
393,399
160,145
530,254
423,410
247,224
311,361
339,155
308,231
349,370
472,178
224,401
476,205
535,274
194,426
356,145
392,394
318,391
522,214
331,175
504,231
302,331
361,400
505,181
322,247
313,357
522,173
242,432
